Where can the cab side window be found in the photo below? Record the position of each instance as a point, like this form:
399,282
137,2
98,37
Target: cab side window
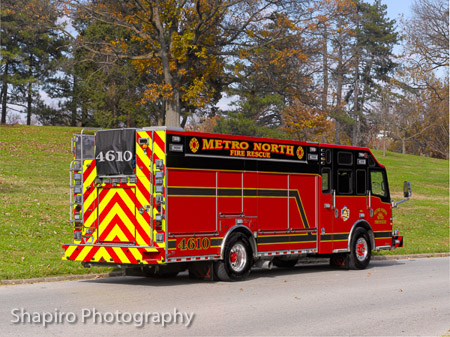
344,182
378,183
360,182
326,180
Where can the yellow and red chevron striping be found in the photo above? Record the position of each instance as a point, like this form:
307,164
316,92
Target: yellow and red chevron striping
117,215
111,254
89,201
159,153
143,191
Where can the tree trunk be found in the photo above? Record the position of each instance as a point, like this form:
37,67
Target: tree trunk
73,121
29,101
161,115
340,83
356,112
30,90
325,69
173,108
84,115
183,121
4,93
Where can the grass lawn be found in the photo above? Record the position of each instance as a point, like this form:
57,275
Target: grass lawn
34,202
424,220
34,197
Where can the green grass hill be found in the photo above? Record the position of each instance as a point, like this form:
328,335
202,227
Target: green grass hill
34,198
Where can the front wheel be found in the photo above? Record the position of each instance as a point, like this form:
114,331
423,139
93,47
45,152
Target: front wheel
237,259
360,249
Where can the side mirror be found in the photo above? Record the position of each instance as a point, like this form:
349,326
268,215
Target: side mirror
407,189
406,193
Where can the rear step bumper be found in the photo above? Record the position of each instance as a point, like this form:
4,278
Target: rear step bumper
111,254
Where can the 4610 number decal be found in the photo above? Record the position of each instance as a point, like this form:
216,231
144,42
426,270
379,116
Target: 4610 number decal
194,244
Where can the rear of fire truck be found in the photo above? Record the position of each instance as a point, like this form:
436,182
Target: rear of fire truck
117,206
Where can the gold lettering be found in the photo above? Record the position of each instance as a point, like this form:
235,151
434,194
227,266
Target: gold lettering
256,146
266,147
290,150
218,144
235,145
274,148
237,153
208,144
244,145
227,144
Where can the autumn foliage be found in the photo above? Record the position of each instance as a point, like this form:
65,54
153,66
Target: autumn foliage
322,70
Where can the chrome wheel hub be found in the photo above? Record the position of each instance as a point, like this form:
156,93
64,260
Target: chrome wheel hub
238,257
362,249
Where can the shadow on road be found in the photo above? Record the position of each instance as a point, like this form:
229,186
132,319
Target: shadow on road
183,278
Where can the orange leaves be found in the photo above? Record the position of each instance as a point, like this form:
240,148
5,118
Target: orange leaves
196,94
305,122
181,44
120,44
156,91
283,56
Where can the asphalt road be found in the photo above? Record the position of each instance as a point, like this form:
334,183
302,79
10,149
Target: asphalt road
390,298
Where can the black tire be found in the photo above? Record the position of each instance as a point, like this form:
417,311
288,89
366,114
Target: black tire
237,259
360,249
284,263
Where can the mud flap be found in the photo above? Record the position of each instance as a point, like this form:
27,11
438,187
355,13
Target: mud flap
202,271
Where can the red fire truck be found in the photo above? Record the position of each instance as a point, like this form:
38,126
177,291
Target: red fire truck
159,200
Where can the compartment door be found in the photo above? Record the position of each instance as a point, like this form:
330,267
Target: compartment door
117,215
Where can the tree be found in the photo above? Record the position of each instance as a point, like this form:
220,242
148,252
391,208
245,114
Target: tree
373,61
306,123
30,44
273,70
427,33
357,40
115,91
421,115
182,41
336,31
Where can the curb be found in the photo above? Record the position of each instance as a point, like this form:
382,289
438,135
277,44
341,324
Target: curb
408,257
314,260
119,273
61,278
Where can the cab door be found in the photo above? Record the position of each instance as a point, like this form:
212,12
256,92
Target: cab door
351,201
326,202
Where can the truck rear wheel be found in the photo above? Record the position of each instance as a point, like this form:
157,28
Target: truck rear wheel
237,259
360,249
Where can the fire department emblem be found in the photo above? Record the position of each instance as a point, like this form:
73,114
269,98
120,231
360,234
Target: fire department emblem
300,152
345,213
194,145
